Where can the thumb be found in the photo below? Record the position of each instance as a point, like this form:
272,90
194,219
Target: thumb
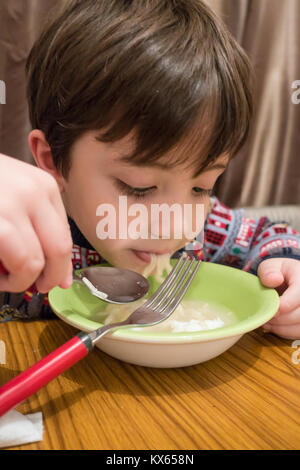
269,272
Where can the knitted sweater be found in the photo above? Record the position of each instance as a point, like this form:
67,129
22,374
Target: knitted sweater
228,237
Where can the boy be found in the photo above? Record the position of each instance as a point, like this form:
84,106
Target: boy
148,99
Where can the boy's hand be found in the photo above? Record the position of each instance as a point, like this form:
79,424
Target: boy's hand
35,239
284,275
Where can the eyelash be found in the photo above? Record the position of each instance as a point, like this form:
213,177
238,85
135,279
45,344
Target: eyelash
142,192
204,192
129,191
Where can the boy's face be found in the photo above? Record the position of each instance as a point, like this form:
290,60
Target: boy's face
98,175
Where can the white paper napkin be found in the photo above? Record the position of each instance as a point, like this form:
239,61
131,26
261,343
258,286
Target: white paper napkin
17,429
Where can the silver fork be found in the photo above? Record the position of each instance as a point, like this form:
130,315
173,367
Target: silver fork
155,310
162,303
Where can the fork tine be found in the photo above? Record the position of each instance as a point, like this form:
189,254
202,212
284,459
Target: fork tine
140,316
169,291
168,281
174,301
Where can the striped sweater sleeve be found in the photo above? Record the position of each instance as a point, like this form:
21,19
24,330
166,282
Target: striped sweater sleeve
233,239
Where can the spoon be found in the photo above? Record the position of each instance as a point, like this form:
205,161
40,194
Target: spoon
116,286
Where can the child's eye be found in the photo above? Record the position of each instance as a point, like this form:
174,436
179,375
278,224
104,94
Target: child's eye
130,191
202,192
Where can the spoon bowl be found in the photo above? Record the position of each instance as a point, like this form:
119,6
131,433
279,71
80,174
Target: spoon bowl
113,285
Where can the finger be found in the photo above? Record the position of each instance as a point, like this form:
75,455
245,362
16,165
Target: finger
290,318
68,281
54,234
272,279
285,331
21,254
290,296
290,299
269,272
58,204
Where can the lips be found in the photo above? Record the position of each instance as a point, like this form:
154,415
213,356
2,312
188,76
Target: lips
146,255
143,255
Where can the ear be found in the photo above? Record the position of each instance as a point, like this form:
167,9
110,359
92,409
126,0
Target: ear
42,155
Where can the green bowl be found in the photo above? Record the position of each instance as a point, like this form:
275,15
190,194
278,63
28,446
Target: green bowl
242,293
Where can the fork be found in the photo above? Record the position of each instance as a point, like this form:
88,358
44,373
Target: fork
155,310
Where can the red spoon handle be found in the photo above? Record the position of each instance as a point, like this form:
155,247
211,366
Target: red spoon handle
38,375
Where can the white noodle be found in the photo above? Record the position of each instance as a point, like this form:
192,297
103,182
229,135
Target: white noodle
158,267
190,315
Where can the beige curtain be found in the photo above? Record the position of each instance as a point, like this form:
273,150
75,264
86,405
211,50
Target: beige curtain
267,170
20,22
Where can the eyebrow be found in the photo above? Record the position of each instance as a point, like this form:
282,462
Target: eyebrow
217,166
166,166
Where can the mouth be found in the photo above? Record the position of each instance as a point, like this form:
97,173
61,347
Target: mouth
146,255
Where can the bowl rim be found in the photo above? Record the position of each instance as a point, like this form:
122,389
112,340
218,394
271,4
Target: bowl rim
136,335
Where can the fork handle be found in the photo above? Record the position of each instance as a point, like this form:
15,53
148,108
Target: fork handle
45,370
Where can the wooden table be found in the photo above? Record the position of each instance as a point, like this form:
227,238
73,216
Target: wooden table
247,398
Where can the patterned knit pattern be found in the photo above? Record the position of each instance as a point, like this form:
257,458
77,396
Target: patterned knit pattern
228,237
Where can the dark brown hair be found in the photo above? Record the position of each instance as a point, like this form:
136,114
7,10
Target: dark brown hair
167,69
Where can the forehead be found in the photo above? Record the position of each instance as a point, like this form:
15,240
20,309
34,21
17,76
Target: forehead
187,156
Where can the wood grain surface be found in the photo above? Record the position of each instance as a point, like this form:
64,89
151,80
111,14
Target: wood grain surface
247,398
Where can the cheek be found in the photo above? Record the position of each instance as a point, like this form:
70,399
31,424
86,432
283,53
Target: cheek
116,252
207,207
82,197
